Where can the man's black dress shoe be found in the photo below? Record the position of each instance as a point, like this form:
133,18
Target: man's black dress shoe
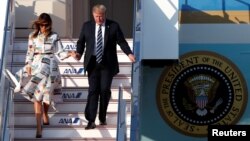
103,123
91,125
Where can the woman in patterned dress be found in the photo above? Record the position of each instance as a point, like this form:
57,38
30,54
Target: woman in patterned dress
40,79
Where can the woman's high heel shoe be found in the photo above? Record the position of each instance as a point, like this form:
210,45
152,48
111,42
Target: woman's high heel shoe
45,123
39,135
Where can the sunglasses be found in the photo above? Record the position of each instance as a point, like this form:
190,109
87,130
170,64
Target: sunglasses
41,25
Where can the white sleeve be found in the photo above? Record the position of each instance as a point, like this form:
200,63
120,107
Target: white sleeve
60,51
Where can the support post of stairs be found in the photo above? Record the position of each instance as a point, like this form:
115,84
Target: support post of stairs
121,119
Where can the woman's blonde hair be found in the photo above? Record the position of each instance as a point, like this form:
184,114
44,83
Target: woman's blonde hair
43,18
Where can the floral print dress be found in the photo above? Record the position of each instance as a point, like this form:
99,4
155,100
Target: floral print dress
44,83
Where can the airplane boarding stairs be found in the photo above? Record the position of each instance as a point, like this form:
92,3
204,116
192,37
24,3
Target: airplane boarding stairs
68,122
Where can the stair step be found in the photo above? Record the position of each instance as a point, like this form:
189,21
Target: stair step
24,106
76,94
67,139
19,57
68,44
66,119
79,81
82,81
58,132
76,68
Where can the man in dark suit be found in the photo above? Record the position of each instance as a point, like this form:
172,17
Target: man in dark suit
99,37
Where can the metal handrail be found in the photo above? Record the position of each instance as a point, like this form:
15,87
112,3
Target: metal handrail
6,134
5,92
121,134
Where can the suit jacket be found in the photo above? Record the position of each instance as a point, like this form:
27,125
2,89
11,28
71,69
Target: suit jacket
113,36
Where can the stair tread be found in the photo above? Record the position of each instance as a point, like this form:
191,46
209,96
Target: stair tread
75,63
81,101
86,88
66,139
17,51
23,113
69,132
67,127
82,75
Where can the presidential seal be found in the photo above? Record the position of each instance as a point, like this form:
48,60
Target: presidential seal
203,89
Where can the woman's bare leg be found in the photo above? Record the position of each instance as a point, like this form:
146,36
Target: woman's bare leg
45,114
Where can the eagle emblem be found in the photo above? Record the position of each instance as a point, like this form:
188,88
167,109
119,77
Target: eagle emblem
201,91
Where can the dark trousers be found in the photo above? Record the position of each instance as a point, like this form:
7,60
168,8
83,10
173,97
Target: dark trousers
100,79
